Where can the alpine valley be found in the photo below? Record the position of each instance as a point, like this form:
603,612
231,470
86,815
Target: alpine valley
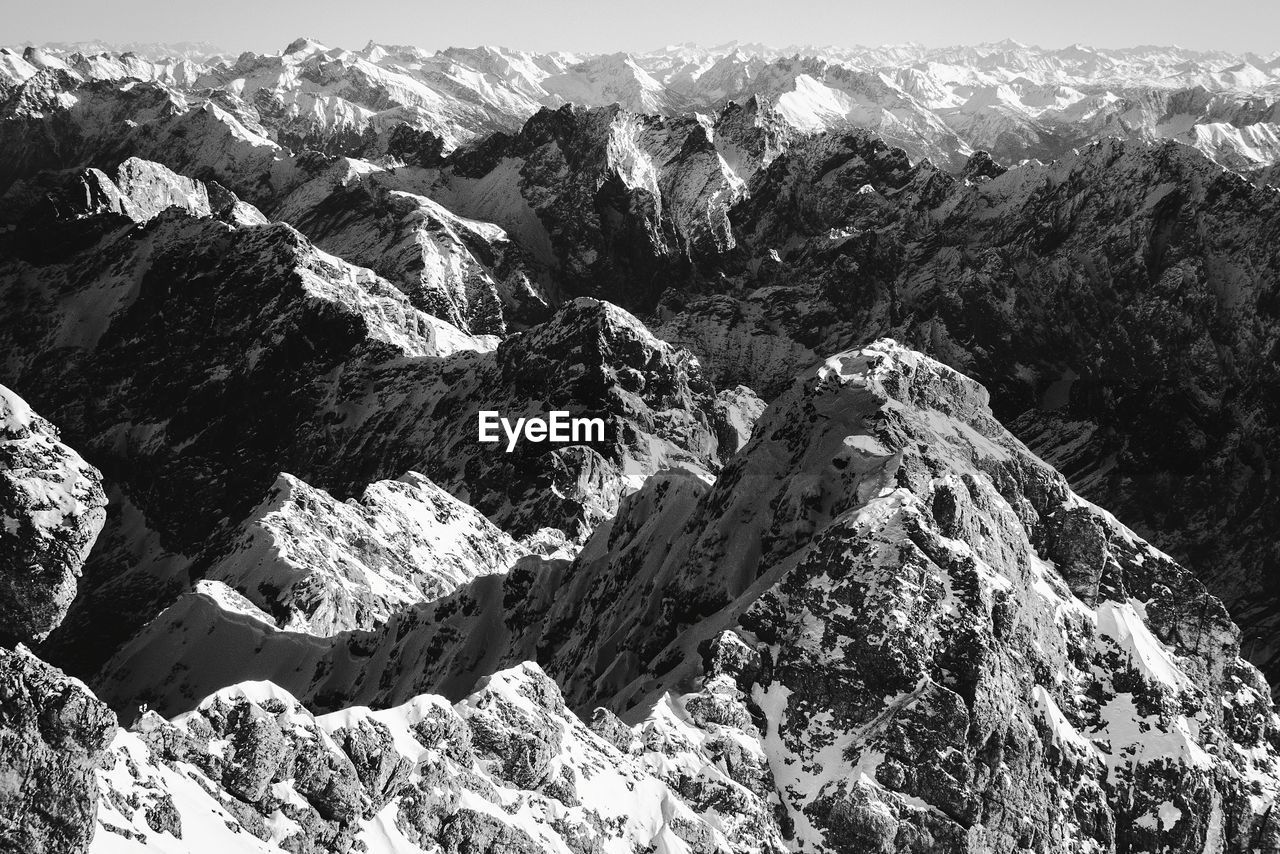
936,506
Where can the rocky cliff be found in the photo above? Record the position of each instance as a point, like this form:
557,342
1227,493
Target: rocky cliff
887,626
53,731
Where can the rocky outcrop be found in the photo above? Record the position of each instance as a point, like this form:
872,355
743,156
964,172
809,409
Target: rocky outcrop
1026,693
938,646
740,341
739,408
53,732
51,510
322,566
1181,358
508,768
140,191
464,271
617,205
591,360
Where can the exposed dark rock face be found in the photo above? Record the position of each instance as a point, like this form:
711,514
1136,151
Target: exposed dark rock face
321,566
204,428
916,651
53,732
1113,294
51,510
738,408
616,205
1124,295
591,359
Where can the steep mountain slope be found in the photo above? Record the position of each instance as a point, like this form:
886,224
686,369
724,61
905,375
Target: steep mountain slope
509,767
1125,295
171,464
610,203
465,271
321,566
760,250
220,354
1105,287
907,628
53,735
51,508
53,732
55,121
617,204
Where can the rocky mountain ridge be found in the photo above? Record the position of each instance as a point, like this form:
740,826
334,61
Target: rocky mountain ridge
760,249
53,731
373,383
1013,100
934,646
869,609
917,599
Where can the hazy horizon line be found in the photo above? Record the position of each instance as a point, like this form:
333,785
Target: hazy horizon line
214,48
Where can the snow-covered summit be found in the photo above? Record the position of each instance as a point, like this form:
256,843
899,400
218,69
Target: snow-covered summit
930,100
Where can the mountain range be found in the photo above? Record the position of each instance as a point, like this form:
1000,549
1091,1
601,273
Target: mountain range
1014,101
876,335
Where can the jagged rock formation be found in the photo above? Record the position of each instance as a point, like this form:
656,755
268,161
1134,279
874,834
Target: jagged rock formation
739,409
51,510
509,769
204,429
321,566
851,241
140,191
600,202
897,576
321,369
835,239
1008,654
1006,276
53,732
105,123
886,614
591,359
464,271
618,205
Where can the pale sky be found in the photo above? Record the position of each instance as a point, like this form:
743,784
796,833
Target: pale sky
576,25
